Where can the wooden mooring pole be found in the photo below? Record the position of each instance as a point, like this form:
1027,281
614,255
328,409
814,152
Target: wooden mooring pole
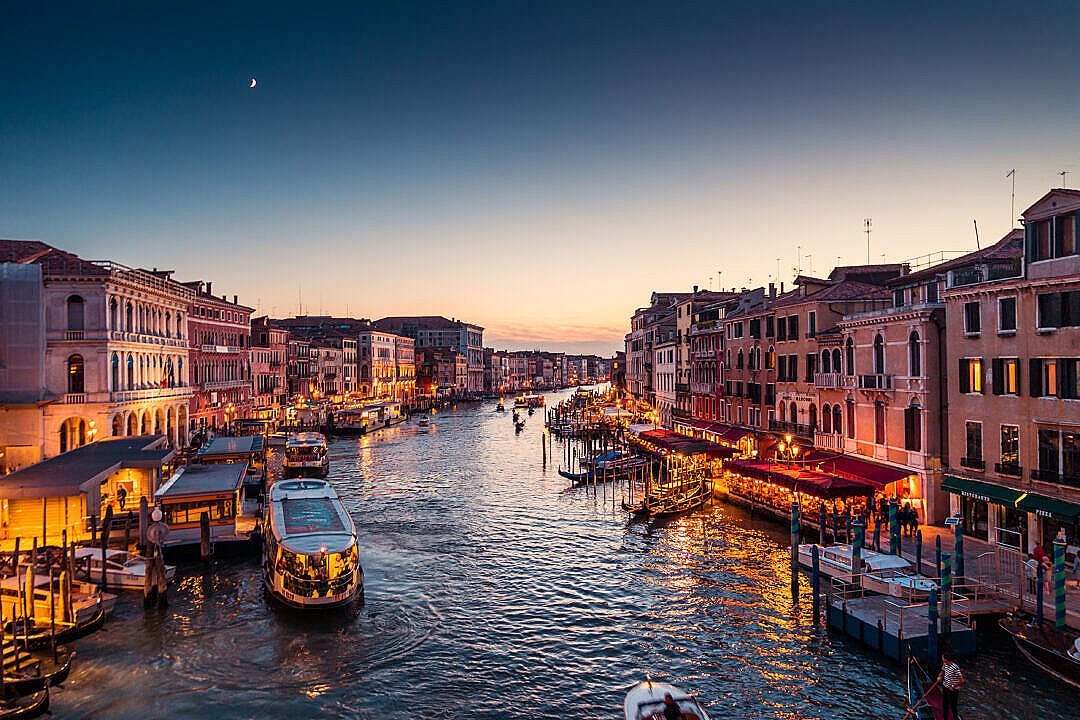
205,548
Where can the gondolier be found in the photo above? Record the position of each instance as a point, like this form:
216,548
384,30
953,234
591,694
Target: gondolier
951,679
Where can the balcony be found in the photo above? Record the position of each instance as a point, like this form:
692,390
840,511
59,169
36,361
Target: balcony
1053,476
1011,469
973,463
221,349
875,382
835,380
682,387
75,399
156,393
703,387
125,336
791,428
829,441
681,413
226,384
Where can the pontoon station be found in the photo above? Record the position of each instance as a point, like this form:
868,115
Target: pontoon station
362,419
310,556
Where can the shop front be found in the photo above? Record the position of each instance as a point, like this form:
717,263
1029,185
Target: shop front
985,508
1053,516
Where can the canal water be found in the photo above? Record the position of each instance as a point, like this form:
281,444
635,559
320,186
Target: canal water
495,591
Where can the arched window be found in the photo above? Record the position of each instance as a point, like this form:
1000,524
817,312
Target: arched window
180,371
129,318
739,360
914,355
114,375
113,314
849,350
813,416
75,370
836,361
75,307
130,372
837,424
794,410
879,355
82,433
850,418
780,411
168,325
117,425
63,438
826,364
826,418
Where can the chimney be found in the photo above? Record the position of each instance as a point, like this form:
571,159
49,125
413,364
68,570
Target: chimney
772,290
781,287
234,300
695,289
208,286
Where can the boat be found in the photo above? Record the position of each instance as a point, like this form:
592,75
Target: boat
423,422
667,501
500,407
28,672
86,600
277,439
24,706
529,401
1058,653
310,553
38,633
645,701
923,695
519,425
882,573
362,419
123,569
305,454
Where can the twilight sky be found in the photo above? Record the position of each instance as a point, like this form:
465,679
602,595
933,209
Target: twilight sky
537,168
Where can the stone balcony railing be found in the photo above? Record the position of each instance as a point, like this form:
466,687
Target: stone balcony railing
119,396
221,349
876,381
225,384
829,441
702,387
835,380
147,338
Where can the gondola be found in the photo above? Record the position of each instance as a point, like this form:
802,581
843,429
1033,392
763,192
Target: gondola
923,695
519,425
39,635
46,672
1055,652
645,701
26,706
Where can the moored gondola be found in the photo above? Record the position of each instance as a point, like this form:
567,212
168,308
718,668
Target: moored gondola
28,672
24,706
40,634
1058,653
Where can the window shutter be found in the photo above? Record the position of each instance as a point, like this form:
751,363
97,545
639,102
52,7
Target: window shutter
907,428
997,372
1029,241
1035,377
965,381
1019,381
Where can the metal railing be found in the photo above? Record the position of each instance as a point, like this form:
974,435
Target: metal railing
876,381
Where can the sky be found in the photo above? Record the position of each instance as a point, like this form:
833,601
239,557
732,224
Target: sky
536,168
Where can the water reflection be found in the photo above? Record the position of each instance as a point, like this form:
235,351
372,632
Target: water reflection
494,591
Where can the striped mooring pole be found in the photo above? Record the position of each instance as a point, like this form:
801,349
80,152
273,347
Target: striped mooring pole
894,529
1059,584
857,547
946,592
937,556
1040,578
958,553
815,584
932,634
794,549
918,552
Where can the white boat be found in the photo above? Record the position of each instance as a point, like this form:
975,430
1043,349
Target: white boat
529,401
305,454
310,553
645,701
423,422
881,573
123,569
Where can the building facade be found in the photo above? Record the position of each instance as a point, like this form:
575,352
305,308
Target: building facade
219,358
269,352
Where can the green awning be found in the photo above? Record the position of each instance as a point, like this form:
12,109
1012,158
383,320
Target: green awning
980,491
1049,507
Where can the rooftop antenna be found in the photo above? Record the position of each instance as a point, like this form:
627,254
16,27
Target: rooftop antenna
777,269
1012,198
977,246
1063,173
868,224
300,299
810,262
798,259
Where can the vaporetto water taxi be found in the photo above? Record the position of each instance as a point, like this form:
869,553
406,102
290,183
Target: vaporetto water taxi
529,401
310,556
305,454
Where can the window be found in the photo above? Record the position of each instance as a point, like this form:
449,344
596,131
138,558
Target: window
850,418
879,355
811,366
811,324
75,370
1052,238
793,368
813,416
914,355
898,298
826,363
913,428
769,326
755,328
781,368
1006,376
1049,453
1007,314
781,329
739,360
837,427
1059,310
115,374
972,321
1010,446
973,445
826,418
836,361
931,293
849,350
971,375
75,307
879,423
793,411
770,358
793,327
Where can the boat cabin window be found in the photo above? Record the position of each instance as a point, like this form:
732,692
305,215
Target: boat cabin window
306,451
316,575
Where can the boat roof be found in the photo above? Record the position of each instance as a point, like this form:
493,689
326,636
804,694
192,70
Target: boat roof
204,479
305,439
308,517
880,561
231,445
644,699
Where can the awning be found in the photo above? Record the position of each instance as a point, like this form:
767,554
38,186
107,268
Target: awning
817,484
850,466
980,491
684,445
1049,507
720,432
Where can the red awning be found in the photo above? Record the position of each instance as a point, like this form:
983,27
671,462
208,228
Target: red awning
818,484
684,445
852,467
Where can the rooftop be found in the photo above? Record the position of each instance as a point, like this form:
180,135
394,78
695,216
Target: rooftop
225,446
1009,247
204,479
77,470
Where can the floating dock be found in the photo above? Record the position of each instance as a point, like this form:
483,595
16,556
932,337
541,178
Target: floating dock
895,629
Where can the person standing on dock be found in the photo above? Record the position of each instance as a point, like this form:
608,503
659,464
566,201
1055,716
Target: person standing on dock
951,679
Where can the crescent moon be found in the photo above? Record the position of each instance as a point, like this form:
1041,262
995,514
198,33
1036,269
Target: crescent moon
252,82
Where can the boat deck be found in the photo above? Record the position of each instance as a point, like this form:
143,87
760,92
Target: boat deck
896,631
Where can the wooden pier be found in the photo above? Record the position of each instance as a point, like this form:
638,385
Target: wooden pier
895,629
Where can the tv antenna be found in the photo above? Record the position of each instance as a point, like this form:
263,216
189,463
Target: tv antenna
977,246
868,224
1063,173
1012,198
